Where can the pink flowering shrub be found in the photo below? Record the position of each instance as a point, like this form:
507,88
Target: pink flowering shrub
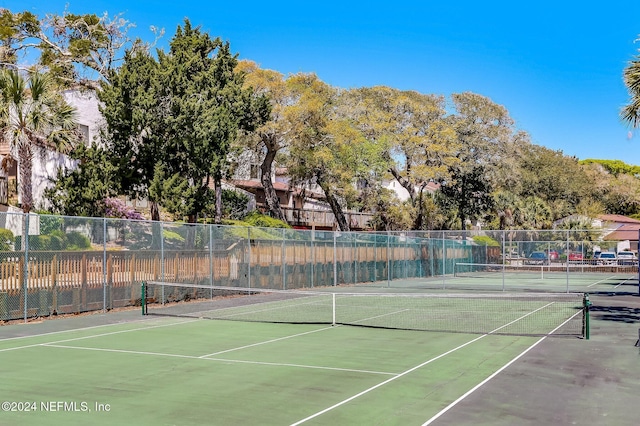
116,208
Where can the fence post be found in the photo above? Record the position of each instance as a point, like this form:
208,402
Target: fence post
388,259
283,269
25,267
211,262
444,261
335,260
249,257
104,264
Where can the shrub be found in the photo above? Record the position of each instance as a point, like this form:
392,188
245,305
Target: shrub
116,208
484,240
256,219
6,239
78,241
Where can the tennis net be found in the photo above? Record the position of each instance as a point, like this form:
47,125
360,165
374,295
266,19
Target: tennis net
586,273
535,314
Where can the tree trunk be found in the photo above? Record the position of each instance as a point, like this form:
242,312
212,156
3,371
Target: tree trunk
343,225
270,195
217,181
155,211
26,191
417,223
405,183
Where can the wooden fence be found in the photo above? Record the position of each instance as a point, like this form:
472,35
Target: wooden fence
71,282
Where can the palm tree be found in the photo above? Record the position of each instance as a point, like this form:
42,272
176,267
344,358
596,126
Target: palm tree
33,115
631,112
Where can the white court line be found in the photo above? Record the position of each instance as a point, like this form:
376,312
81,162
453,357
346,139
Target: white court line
296,335
447,408
265,342
404,373
625,281
97,335
601,281
76,329
235,361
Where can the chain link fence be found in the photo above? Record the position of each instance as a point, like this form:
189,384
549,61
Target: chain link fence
69,265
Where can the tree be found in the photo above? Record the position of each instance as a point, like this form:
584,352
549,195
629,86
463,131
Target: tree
326,148
33,116
482,129
467,192
631,75
270,138
204,107
72,48
411,130
83,190
134,131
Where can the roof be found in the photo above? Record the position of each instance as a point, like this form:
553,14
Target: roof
255,184
624,232
617,218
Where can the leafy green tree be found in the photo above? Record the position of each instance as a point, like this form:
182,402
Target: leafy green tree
467,192
33,116
205,106
411,131
557,179
134,131
269,139
83,190
615,167
325,147
483,128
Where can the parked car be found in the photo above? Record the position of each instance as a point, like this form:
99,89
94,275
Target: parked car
537,258
553,255
627,258
607,258
575,256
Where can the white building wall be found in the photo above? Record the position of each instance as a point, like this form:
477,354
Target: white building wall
46,164
88,113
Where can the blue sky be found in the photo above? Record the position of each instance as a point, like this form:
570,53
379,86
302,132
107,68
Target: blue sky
556,66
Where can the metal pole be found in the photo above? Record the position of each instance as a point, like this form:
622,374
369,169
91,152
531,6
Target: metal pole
375,257
586,305
503,259
388,260
444,261
249,255
212,263
25,268
104,264
162,277
313,254
284,261
335,260
567,256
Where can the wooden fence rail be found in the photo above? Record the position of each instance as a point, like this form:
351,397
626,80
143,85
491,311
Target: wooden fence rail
71,282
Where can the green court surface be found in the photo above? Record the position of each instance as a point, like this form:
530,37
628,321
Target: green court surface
608,280
123,368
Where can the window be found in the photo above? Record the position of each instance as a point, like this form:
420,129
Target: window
255,172
84,131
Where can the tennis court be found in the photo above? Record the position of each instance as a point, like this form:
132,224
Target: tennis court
581,278
288,358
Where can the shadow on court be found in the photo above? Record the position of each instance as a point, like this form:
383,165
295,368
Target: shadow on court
567,381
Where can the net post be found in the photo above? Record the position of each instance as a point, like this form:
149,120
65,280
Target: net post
333,308
586,303
143,297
